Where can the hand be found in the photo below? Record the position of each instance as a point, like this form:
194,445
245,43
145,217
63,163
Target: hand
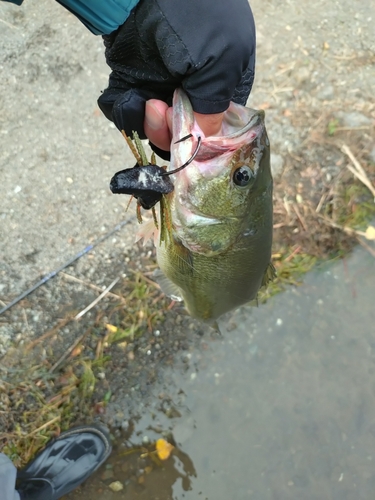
205,47
158,123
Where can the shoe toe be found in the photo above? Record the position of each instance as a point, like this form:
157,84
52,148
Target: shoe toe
65,463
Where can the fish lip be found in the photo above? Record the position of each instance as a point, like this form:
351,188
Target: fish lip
183,116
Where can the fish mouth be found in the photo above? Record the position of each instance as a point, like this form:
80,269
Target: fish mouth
240,124
236,120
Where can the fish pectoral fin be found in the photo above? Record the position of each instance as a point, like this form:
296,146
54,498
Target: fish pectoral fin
269,274
166,286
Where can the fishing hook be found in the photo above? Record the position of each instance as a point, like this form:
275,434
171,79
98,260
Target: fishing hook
184,138
190,159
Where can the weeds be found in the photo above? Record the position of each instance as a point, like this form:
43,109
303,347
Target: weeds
291,265
41,401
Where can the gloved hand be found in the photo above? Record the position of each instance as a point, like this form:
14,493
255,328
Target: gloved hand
207,47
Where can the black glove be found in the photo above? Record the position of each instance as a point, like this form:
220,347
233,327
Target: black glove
207,47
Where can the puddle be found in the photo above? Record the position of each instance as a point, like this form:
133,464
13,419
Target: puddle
283,407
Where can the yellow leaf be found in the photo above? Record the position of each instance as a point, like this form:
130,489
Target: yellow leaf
370,233
77,351
163,449
111,328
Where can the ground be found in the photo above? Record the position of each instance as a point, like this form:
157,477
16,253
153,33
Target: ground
315,79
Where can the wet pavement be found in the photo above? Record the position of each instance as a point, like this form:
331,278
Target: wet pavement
282,407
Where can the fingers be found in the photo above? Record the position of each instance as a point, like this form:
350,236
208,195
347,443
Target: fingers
209,124
156,124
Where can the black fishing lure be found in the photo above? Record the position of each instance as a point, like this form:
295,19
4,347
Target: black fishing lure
147,183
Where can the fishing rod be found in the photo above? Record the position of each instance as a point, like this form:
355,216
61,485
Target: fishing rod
61,268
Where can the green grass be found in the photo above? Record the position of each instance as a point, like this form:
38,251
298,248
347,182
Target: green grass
356,206
291,265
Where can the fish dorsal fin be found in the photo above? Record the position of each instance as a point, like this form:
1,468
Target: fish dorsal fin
269,274
166,286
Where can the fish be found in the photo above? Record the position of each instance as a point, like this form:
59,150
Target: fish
216,252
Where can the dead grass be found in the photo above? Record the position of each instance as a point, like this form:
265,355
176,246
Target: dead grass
42,394
324,202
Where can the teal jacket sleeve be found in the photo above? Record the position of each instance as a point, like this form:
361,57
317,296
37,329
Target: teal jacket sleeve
101,17
17,2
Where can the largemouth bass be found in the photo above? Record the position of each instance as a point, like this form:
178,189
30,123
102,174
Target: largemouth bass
218,251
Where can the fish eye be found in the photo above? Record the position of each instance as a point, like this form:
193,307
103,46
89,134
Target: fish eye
242,176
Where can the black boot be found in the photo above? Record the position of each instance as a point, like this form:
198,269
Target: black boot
64,464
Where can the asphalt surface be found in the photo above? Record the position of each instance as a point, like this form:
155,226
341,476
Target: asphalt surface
282,407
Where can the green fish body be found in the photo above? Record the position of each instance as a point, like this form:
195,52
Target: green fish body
217,252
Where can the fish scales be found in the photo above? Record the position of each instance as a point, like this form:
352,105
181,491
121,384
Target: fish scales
218,253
